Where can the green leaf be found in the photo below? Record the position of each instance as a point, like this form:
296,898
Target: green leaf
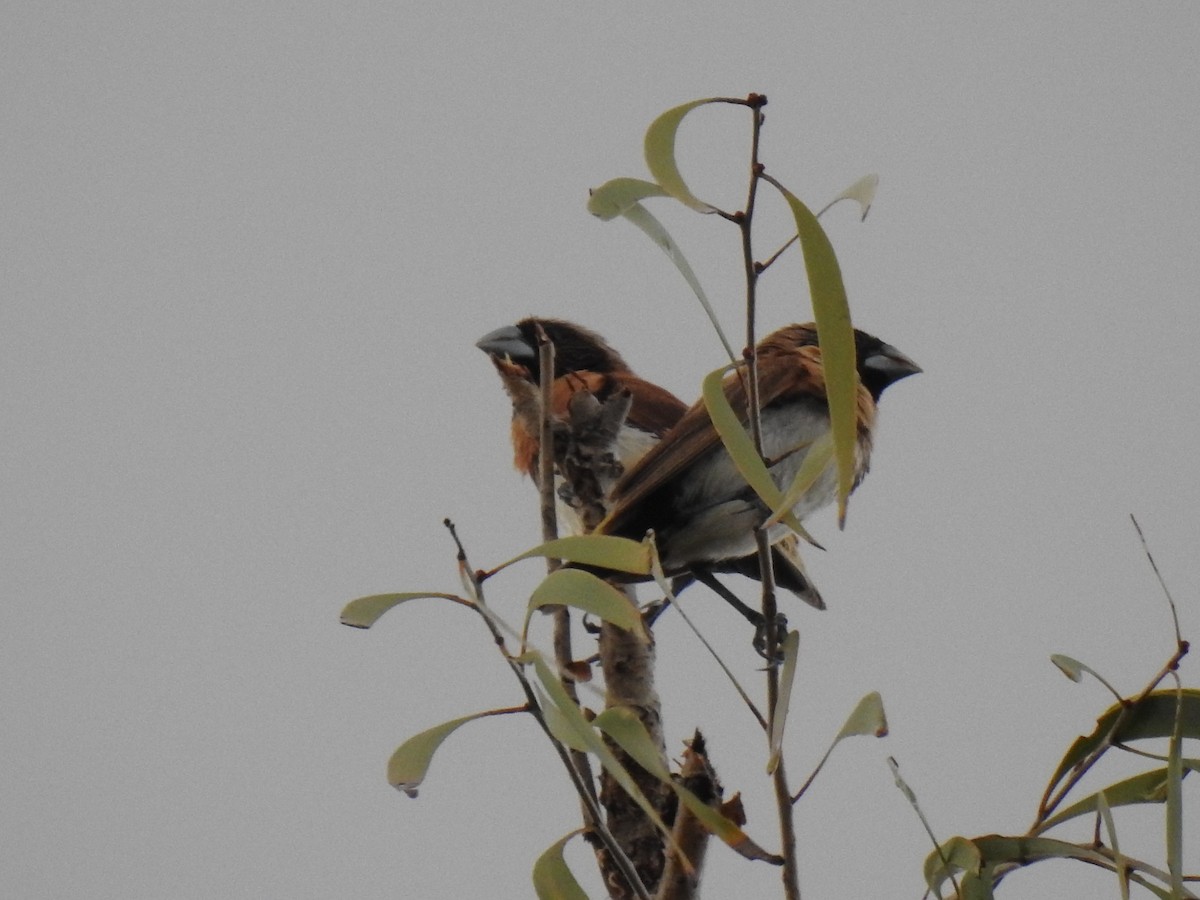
836,337
787,676
641,217
600,550
1175,798
1075,670
616,197
583,590
1110,828
408,765
868,718
740,447
984,855
1148,787
660,155
862,192
815,462
584,735
365,611
1153,717
551,878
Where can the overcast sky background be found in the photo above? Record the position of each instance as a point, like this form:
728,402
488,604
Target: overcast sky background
247,250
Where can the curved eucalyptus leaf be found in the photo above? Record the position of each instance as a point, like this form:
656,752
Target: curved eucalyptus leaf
1153,717
740,447
552,879
641,217
861,192
601,550
408,765
659,148
583,590
836,337
783,700
366,611
616,196
1148,787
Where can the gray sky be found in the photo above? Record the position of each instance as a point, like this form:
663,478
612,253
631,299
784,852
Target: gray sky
247,252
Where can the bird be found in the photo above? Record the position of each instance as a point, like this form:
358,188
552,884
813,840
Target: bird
686,487
586,362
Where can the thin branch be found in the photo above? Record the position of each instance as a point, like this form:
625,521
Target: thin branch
1158,575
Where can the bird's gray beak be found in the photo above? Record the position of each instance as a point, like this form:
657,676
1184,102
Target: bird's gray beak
890,364
507,342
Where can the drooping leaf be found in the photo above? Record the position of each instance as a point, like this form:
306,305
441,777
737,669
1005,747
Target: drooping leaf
812,468
641,217
408,765
599,550
659,147
615,198
783,700
552,879
1153,717
861,192
366,611
1148,787
984,855
868,718
1110,828
585,735
836,337
1175,797
583,590
740,447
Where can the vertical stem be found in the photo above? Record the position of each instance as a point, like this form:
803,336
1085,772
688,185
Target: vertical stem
563,656
783,801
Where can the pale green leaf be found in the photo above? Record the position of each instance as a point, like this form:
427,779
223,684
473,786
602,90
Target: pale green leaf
366,611
1153,717
583,590
552,880
587,736
740,446
861,192
868,718
787,676
1175,798
641,217
408,765
660,155
1148,787
615,198
812,468
1110,828
599,550
836,337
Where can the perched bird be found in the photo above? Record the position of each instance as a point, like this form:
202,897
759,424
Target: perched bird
584,361
686,487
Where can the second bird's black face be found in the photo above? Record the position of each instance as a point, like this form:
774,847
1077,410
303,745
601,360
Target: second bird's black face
576,349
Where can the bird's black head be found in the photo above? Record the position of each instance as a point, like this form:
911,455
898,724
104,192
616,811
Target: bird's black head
880,364
576,349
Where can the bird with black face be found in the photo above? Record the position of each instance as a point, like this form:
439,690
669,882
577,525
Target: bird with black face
584,361
687,489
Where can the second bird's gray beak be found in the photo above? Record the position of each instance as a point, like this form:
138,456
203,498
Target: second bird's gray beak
507,342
